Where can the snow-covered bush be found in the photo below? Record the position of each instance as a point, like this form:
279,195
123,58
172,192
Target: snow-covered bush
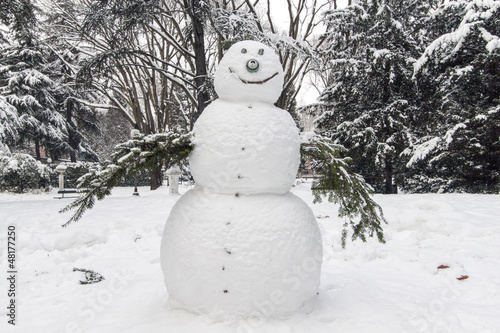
21,172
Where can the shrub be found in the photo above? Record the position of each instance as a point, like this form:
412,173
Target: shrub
20,172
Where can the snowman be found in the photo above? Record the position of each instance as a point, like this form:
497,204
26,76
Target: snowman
239,243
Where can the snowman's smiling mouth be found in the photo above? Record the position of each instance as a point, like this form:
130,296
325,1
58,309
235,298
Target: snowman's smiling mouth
252,82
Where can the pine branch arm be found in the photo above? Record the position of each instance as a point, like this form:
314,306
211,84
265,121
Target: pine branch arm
131,157
339,184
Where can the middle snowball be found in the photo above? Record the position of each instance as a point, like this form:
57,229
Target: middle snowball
245,149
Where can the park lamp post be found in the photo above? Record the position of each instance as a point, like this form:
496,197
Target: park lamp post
173,173
61,168
134,134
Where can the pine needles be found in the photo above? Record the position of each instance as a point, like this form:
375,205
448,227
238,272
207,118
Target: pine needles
144,152
339,184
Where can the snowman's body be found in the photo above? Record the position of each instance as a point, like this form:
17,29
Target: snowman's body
245,148
239,242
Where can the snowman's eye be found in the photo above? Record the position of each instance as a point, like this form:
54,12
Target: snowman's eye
261,51
243,50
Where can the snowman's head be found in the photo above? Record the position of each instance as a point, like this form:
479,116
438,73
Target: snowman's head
249,72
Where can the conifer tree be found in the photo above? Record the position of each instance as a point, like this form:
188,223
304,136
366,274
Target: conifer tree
459,74
25,83
37,78
370,97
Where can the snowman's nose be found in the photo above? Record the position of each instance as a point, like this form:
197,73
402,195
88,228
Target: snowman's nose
252,65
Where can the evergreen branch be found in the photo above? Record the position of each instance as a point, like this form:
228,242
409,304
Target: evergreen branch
339,184
142,152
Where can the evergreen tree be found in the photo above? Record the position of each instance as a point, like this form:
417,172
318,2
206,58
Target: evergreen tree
37,78
370,99
25,84
20,172
70,101
459,74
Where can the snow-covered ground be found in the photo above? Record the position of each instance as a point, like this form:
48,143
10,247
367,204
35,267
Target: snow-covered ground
368,287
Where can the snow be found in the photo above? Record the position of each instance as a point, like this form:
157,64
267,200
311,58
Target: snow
448,137
493,41
380,53
9,120
463,71
26,101
444,46
421,151
368,287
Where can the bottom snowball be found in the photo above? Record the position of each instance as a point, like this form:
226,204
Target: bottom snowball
257,255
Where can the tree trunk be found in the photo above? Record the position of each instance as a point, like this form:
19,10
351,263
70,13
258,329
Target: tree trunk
389,188
72,140
194,10
37,149
156,178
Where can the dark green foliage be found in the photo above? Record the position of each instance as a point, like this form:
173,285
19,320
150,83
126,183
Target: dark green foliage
466,158
458,75
370,96
20,16
130,158
413,92
339,184
36,79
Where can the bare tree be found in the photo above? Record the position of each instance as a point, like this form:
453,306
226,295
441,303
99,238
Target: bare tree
147,58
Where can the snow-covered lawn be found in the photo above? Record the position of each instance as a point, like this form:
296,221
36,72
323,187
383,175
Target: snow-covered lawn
368,287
